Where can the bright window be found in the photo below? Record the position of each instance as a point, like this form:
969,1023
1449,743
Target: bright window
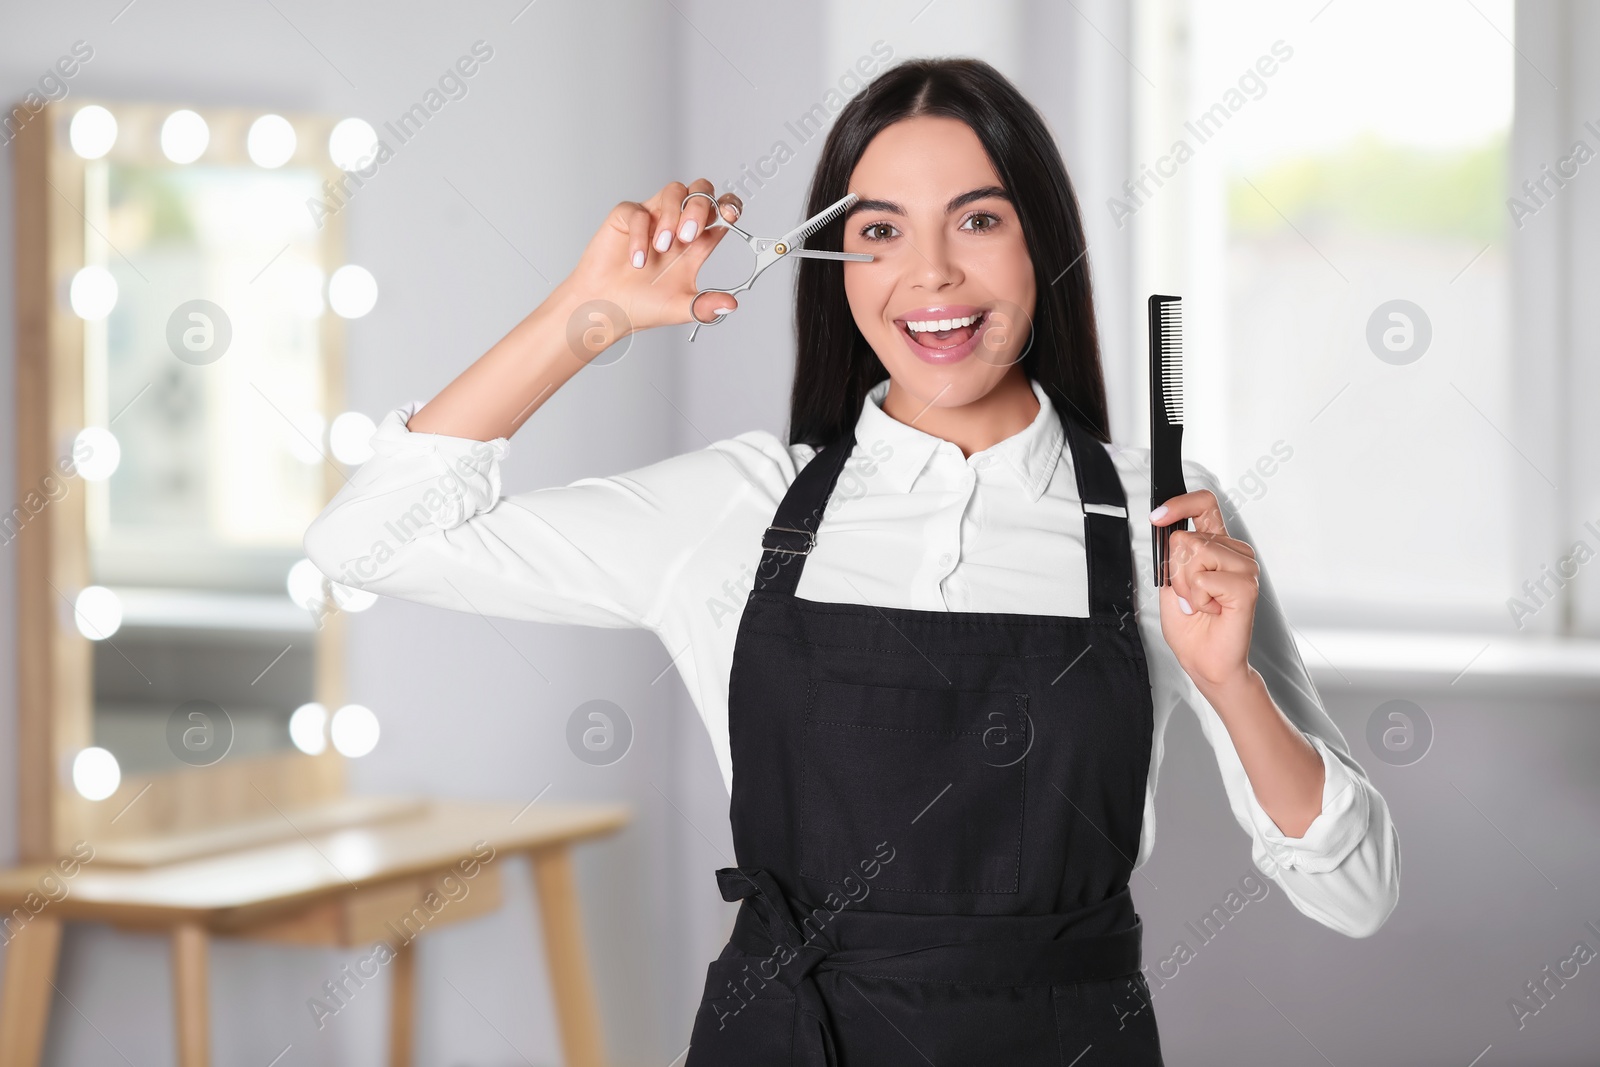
1327,189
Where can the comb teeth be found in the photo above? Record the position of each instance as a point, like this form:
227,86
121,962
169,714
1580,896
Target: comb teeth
826,217
1171,342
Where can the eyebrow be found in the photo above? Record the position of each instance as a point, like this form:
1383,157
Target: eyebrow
956,203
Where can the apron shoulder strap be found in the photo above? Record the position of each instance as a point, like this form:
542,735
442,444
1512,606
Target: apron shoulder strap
793,532
1106,537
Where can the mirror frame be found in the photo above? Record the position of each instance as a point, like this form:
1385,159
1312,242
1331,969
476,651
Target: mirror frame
55,709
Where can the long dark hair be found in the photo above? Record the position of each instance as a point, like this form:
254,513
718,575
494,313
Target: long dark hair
834,364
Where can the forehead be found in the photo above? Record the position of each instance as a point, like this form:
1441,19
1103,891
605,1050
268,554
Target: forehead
929,158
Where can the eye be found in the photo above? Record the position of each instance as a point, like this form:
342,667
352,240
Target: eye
993,221
867,231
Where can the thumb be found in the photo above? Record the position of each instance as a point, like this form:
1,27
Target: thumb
710,306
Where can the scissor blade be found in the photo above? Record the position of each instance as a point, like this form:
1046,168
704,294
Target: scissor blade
819,220
817,253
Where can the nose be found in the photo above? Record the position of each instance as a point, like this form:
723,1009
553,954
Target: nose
933,266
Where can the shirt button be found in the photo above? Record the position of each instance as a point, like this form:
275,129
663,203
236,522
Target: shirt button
983,461
944,560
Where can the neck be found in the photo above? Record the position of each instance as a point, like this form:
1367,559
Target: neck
1003,411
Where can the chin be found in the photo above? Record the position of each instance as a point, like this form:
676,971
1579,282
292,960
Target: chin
944,387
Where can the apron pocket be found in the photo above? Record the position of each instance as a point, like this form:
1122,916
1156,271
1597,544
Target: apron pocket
743,1020
913,790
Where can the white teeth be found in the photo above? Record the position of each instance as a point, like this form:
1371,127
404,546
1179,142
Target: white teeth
936,325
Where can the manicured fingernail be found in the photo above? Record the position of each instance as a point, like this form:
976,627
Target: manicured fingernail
722,311
686,233
1184,604
638,258
1158,512
663,240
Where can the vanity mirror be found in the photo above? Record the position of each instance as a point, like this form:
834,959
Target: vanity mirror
181,289
182,728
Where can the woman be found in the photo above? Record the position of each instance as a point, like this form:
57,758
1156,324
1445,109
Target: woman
939,714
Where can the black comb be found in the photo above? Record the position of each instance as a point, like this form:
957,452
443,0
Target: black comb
1166,422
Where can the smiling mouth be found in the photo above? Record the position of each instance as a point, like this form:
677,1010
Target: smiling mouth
944,339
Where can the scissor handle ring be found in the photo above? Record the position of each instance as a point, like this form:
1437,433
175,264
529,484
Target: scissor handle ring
716,320
716,213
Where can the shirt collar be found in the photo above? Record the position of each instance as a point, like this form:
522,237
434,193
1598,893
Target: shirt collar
1030,454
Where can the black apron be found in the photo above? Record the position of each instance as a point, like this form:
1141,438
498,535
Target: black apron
935,816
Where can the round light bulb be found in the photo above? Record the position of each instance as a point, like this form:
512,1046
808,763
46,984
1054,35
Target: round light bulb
271,141
352,291
354,730
92,132
353,144
96,453
308,728
305,585
350,438
184,136
93,293
97,611
95,773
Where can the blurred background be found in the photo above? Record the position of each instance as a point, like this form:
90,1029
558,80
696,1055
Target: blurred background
1381,218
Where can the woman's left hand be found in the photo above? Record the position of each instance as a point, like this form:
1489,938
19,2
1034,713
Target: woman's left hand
1216,575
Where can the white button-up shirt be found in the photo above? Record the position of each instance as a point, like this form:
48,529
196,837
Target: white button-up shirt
674,546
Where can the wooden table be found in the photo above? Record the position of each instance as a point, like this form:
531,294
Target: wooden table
385,883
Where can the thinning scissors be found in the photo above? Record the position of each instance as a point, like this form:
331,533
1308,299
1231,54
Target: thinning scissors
769,250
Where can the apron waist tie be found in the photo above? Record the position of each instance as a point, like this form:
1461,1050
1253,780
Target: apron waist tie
988,962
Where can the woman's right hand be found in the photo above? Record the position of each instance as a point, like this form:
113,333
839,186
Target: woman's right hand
626,263
509,382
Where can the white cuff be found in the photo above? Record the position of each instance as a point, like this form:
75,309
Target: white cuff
1332,835
468,481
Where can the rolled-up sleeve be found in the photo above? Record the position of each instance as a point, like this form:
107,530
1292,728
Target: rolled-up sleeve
1344,870
424,519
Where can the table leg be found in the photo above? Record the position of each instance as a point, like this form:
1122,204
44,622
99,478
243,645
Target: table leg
25,998
402,999
577,1013
189,994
